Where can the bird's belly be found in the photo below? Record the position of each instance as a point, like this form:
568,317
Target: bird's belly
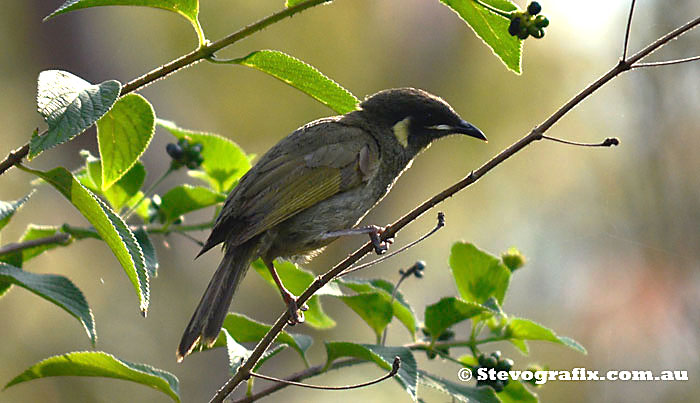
303,234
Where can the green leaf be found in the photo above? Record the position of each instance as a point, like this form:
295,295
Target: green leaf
296,280
245,330
111,228
8,209
458,391
478,274
520,345
98,363
373,308
224,161
237,354
186,8
491,28
516,392
121,192
448,312
526,329
303,77
383,356
292,3
187,198
400,306
123,134
55,289
69,105
149,252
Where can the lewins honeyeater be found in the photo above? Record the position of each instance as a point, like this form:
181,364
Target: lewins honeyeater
314,186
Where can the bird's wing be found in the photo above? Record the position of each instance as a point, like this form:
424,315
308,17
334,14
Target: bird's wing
309,166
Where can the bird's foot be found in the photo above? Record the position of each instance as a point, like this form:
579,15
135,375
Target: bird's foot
296,314
374,231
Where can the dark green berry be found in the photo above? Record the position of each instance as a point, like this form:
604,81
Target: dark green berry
496,354
490,362
174,151
541,21
505,365
431,354
498,386
534,8
523,34
514,26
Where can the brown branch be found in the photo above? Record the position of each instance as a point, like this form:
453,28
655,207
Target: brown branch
61,238
187,60
666,62
536,134
627,31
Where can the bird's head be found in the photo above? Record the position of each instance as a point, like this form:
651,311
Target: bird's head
416,117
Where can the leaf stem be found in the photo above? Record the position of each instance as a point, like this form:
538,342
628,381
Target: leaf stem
148,192
493,9
61,238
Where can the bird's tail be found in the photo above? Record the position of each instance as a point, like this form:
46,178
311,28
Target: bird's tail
207,319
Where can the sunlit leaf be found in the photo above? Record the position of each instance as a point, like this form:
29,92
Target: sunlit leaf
526,329
478,274
69,105
187,198
100,364
8,209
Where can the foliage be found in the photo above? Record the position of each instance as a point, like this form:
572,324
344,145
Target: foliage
109,192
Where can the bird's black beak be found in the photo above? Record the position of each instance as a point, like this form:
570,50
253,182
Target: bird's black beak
467,128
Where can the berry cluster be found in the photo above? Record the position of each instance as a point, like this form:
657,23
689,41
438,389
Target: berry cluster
494,361
185,154
416,270
528,23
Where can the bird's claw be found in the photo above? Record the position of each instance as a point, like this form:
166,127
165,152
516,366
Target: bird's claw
296,314
380,247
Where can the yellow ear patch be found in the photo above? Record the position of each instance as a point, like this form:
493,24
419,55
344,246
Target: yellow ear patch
401,131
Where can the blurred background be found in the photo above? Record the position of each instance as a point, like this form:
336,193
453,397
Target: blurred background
612,236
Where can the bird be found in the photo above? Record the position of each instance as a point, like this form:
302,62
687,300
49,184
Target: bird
313,187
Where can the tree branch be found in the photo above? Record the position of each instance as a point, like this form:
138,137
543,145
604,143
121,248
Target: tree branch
666,62
627,31
61,238
187,60
536,134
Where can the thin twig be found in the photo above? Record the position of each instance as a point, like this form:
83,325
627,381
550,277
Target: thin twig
394,370
190,237
534,135
666,63
440,224
187,60
627,32
60,237
417,267
610,141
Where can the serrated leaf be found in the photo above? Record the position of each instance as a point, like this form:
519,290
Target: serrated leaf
479,275
56,289
123,134
516,392
8,209
110,227
400,306
447,312
296,280
101,364
525,329
520,345
224,161
303,77
149,251
187,198
458,391
383,356
491,28
69,105
245,330
186,8
292,3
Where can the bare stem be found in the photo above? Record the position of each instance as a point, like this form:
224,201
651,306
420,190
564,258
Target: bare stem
187,60
610,141
394,369
666,62
536,134
60,237
627,31
440,224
